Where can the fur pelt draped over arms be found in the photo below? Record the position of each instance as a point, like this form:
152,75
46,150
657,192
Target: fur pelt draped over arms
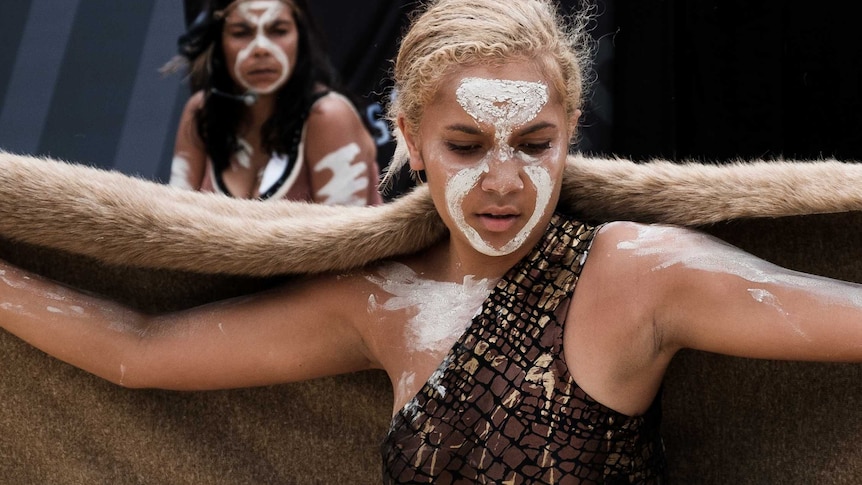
123,220
696,194
119,219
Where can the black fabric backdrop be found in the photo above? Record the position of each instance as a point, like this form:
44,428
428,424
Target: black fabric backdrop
715,80
683,79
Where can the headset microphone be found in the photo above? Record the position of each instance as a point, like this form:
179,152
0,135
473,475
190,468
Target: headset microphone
248,98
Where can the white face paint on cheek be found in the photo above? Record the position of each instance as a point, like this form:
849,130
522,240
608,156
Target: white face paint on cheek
464,181
271,10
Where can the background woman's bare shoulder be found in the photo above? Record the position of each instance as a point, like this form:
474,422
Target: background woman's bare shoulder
195,103
335,114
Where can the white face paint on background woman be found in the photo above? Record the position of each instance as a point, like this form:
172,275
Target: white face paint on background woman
256,72
505,105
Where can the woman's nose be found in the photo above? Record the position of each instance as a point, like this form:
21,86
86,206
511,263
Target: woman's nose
503,176
260,50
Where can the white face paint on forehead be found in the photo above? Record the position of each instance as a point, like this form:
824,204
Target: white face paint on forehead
261,13
506,105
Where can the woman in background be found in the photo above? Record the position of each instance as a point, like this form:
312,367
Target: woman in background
264,122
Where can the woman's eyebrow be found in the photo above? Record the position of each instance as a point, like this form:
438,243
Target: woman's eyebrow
537,127
238,23
280,22
468,129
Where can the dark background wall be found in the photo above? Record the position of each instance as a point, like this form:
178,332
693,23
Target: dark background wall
79,80
714,80
701,79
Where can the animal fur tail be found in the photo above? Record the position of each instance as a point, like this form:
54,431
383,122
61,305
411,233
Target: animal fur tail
123,220
694,194
127,221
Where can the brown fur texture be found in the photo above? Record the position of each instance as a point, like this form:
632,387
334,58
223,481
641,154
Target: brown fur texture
695,194
122,220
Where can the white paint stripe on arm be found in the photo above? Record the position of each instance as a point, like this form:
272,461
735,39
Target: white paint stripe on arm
180,173
349,180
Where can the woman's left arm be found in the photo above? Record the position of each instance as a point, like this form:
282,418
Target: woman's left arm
718,298
340,154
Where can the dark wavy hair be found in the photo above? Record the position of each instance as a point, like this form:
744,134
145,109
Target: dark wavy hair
219,118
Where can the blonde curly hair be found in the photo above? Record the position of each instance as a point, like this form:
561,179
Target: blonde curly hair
449,34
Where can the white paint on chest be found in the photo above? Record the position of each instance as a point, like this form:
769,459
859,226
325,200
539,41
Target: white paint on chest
441,311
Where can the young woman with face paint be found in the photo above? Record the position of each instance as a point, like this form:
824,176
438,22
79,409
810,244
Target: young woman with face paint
526,347
264,122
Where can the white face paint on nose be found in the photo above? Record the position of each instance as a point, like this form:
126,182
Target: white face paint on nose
506,105
261,13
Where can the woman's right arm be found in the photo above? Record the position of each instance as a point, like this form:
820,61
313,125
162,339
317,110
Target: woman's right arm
287,334
189,163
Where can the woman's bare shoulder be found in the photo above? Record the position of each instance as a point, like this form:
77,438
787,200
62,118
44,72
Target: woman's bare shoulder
631,253
647,239
195,102
334,109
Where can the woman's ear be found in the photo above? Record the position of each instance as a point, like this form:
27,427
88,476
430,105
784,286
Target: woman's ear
416,162
573,121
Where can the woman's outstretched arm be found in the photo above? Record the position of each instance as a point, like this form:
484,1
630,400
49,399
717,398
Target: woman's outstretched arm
283,335
648,291
715,297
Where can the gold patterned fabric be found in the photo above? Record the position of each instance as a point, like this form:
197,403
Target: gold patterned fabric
502,407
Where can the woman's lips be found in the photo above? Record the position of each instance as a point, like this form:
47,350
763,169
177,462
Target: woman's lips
263,73
497,222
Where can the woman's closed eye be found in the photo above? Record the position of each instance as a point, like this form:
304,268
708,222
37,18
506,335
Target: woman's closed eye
464,148
535,148
279,29
241,33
